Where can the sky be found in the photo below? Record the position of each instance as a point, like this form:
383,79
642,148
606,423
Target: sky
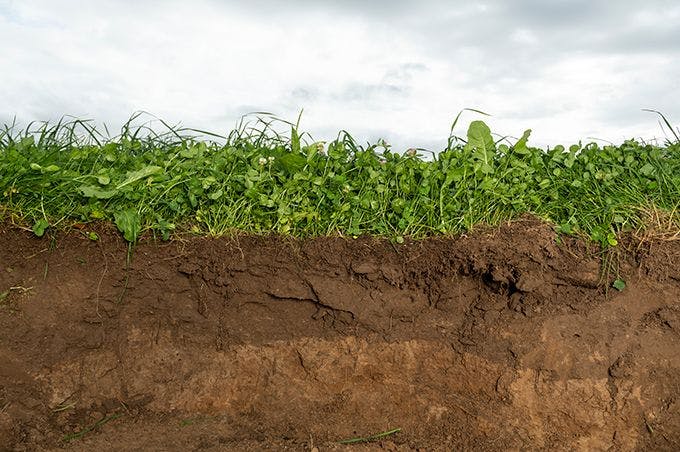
398,70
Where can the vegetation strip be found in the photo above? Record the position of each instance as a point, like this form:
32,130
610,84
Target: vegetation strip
370,438
260,179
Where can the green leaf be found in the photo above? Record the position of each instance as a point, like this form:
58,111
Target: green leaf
611,239
480,142
165,227
134,176
647,169
486,168
479,137
619,284
129,223
521,146
189,153
39,227
292,162
294,140
26,142
216,195
91,191
44,169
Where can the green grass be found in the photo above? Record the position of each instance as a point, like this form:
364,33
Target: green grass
371,438
259,179
90,428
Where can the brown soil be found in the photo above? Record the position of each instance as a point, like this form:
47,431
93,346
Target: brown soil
503,340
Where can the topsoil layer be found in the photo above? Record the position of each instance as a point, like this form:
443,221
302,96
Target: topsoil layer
506,339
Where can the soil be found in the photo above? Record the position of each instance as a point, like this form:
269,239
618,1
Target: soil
509,338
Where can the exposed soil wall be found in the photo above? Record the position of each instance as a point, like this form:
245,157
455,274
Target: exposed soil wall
504,339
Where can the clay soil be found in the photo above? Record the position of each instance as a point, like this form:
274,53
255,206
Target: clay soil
506,339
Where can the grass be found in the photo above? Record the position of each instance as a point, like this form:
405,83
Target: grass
265,176
371,438
86,430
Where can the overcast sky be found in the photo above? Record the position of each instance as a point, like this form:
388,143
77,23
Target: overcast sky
395,69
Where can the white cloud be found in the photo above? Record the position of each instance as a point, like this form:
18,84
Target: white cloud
384,68
523,36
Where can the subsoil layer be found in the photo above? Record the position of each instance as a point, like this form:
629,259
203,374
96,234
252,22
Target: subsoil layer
506,339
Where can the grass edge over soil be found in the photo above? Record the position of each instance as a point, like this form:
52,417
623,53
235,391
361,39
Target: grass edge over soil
262,179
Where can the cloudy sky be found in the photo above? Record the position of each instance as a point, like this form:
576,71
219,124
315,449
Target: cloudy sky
395,69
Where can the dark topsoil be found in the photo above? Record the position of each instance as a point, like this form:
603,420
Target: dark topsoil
505,339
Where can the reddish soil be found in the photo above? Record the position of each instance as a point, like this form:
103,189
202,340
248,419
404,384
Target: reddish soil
506,339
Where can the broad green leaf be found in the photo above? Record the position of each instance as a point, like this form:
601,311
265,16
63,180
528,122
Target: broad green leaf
611,239
647,169
216,195
486,168
488,182
619,284
208,181
39,227
479,137
26,142
521,146
91,191
134,176
292,163
480,143
44,169
189,153
129,223
165,227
